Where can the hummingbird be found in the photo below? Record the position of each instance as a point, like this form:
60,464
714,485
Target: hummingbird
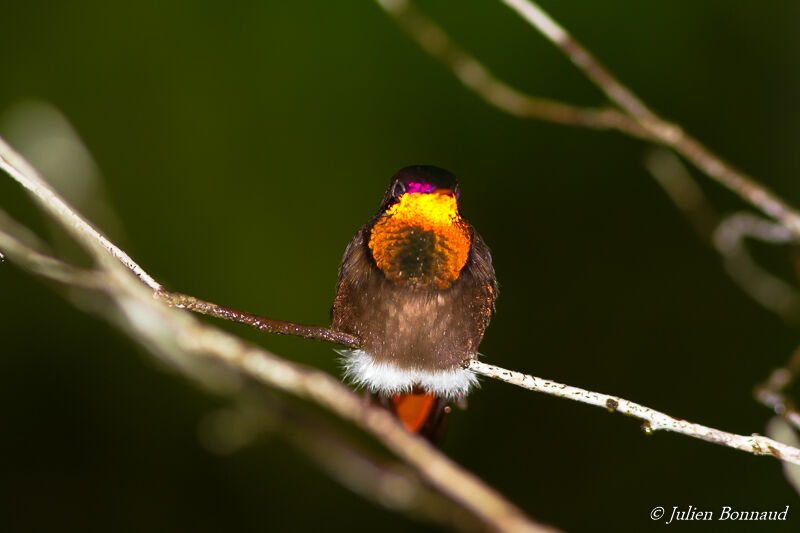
417,287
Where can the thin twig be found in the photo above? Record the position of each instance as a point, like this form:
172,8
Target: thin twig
653,420
771,392
267,325
476,77
579,55
25,175
665,132
670,173
46,266
768,290
728,236
778,428
351,462
779,403
19,169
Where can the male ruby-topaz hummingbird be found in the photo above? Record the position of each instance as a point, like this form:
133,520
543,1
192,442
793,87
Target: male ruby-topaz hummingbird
417,287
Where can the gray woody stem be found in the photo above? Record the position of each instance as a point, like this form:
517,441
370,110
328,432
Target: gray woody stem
653,420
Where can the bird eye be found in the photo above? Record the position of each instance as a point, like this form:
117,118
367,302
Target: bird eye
399,189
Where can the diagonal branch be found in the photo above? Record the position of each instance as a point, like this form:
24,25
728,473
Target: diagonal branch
476,77
100,247
579,55
770,291
349,461
653,420
267,325
44,265
772,393
684,192
728,235
83,232
664,132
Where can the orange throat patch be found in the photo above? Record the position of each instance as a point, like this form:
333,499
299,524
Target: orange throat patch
421,240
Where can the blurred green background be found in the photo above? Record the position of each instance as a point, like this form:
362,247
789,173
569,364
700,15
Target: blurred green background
243,143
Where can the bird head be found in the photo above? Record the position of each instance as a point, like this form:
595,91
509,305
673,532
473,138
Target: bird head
419,237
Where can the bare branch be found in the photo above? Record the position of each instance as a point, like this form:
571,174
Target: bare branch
48,267
374,476
26,175
476,77
43,265
779,429
267,325
653,420
728,236
771,392
768,290
778,402
584,60
668,171
665,132
19,169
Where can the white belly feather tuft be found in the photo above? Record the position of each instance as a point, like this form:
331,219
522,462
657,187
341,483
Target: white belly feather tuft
362,370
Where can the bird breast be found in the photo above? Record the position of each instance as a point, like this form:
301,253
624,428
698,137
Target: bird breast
421,241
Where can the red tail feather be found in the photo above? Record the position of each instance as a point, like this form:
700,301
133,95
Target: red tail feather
413,409
420,413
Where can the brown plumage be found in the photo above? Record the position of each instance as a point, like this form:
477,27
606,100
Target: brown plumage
413,314
421,328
